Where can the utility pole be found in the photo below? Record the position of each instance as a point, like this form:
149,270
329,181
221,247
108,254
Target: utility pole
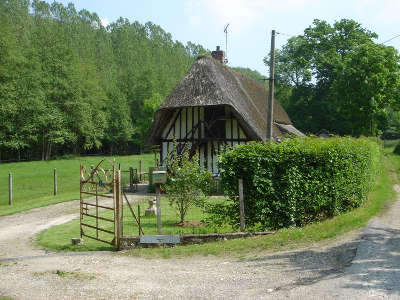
270,100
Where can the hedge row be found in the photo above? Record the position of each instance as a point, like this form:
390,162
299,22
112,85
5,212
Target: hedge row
298,181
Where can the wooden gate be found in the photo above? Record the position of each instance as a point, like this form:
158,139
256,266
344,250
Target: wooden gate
103,186
101,190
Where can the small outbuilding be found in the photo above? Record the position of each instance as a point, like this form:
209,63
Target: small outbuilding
213,107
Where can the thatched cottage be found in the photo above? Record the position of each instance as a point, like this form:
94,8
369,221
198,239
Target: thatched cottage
213,107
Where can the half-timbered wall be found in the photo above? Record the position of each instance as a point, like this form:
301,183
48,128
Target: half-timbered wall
210,130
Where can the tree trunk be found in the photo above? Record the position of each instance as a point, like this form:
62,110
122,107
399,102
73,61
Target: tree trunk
48,152
182,217
182,211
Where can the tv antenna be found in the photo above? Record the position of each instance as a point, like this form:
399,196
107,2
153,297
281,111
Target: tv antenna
226,42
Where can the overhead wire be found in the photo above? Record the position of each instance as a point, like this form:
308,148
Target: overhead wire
291,35
396,36
286,34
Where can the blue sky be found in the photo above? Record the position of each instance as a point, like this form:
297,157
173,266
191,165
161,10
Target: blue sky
251,21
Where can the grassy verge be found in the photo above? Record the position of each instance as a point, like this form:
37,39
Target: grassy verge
33,181
382,194
394,158
59,237
390,145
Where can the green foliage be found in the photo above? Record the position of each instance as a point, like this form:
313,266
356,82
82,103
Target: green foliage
70,85
335,77
188,183
149,107
397,149
298,181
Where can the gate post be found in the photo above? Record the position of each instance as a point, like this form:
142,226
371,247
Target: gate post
117,193
120,207
80,199
115,205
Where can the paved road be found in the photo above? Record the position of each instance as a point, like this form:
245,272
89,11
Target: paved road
374,272
363,265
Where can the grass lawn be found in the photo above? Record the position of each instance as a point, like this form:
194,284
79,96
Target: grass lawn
379,198
33,181
59,237
394,158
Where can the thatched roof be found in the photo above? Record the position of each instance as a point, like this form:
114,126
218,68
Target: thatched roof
210,83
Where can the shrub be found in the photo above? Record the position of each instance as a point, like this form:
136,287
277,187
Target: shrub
298,181
187,183
397,149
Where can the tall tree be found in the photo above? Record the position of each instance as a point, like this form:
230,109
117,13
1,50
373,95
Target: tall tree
336,77
20,94
68,84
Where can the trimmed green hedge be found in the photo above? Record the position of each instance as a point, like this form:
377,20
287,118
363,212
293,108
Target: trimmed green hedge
296,182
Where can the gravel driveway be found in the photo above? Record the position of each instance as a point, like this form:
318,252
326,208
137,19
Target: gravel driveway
359,265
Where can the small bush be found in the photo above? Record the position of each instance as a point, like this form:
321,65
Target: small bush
296,182
397,149
188,182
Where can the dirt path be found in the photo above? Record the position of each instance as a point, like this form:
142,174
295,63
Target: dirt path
16,231
312,273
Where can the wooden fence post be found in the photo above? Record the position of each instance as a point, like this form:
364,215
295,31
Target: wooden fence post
131,179
140,170
158,203
241,200
10,187
55,181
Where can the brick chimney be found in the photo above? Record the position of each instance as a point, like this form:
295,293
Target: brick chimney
219,55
